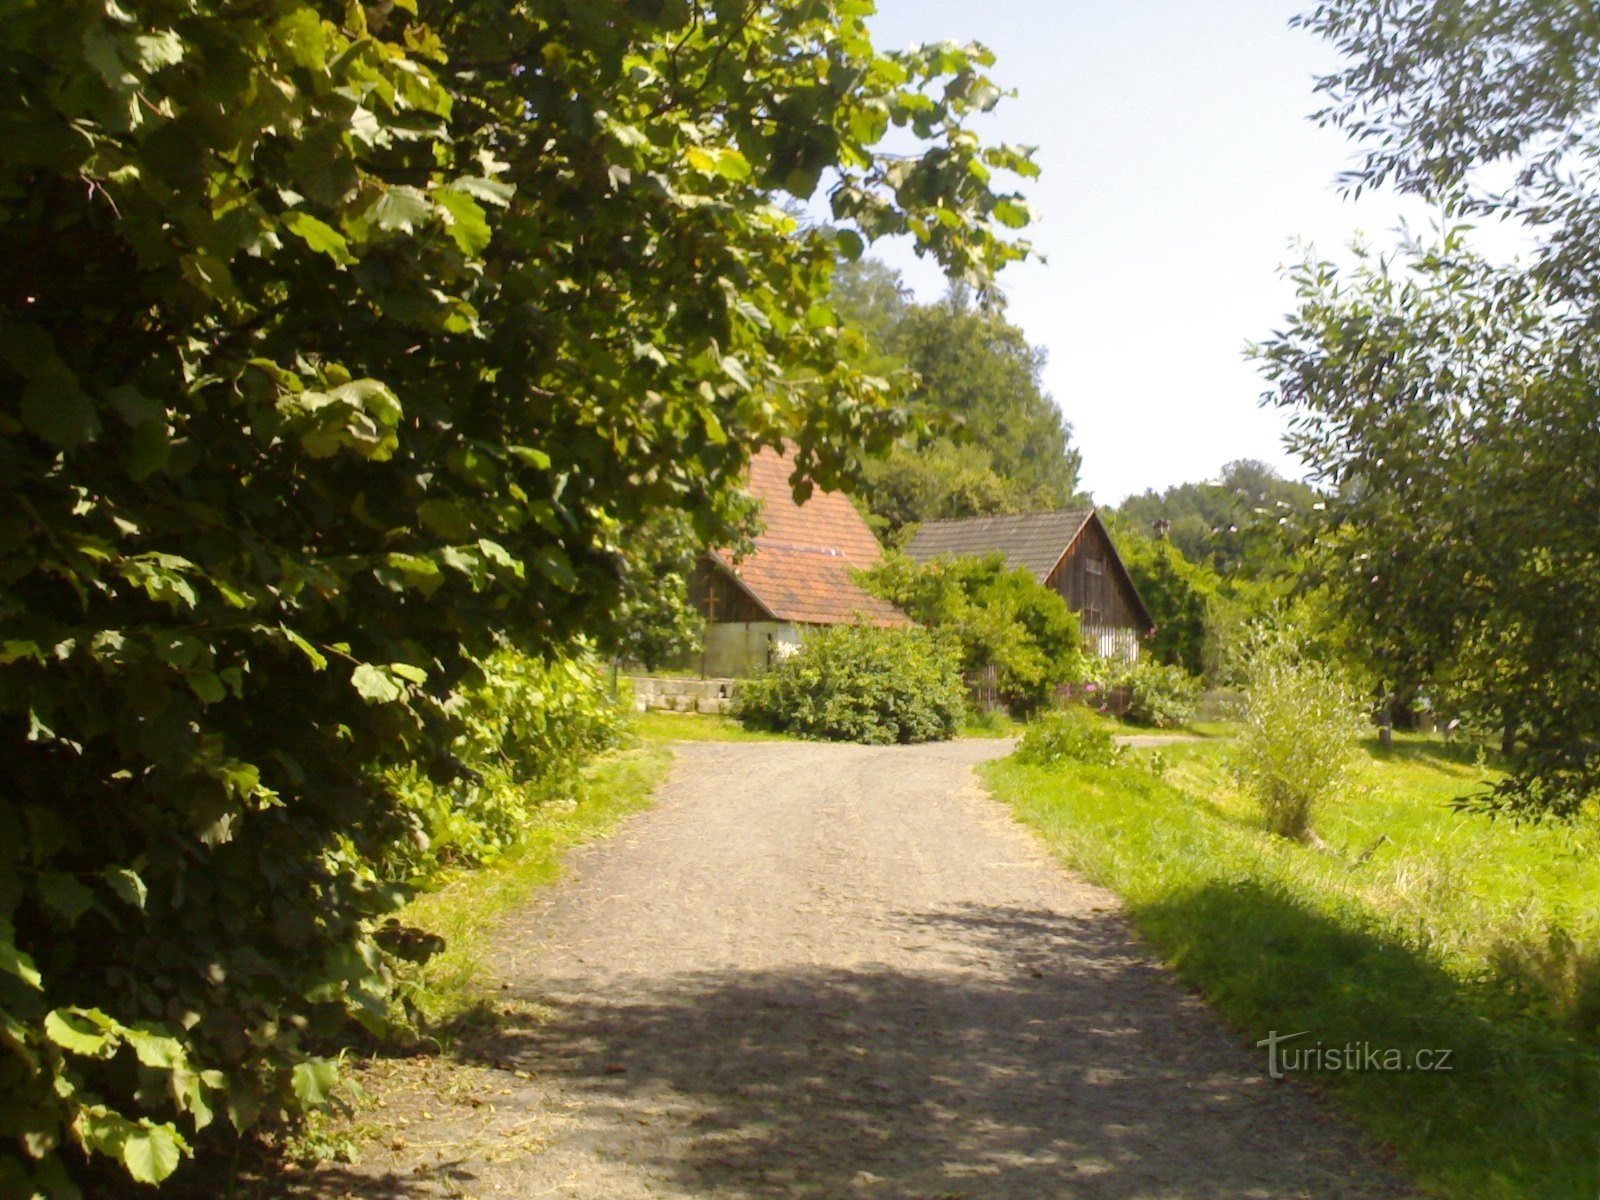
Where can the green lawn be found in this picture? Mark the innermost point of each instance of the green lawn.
(658, 726)
(1410, 931)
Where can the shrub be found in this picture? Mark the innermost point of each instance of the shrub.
(1294, 746)
(1000, 617)
(1159, 695)
(1068, 735)
(1553, 974)
(857, 683)
(528, 728)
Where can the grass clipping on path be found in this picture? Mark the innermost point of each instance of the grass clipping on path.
(465, 911)
(1395, 936)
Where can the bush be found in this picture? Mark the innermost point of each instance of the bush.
(529, 727)
(857, 683)
(1159, 695)
(1294, 746)
(1068, 735)
(1001, 618)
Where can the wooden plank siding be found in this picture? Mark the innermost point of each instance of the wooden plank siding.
(1091, 579)
(721, 599)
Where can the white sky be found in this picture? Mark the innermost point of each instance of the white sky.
(1178, 168)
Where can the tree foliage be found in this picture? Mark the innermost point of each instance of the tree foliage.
(1464, 418)
(1485, 108)
(1178, 593)
(341, 345)
(995, 442)
(1242, 524)
(1002, 618)
(1456, 413)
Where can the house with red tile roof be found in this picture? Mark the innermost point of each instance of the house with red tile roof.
(799, 575)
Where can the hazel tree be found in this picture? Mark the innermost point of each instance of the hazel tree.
(341, 344)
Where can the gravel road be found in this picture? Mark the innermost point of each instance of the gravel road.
(842, 971)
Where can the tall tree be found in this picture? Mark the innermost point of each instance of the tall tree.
(1487, 109)
(995, 441)
(1454, 400)
(338, 345)
(1241, 523)
(1457, 415)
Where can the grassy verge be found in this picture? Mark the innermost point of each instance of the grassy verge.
(699, 727)
(464, 911)
(1405, 934)
(994, 723)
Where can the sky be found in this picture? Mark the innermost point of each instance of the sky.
(1178, 170)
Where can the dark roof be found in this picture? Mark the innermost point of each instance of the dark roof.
(1036, 541)
(1032, 540)
(802, 564)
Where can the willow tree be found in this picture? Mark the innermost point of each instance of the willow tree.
(1454, 402)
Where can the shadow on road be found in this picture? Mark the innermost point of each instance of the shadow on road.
(1050, 1060)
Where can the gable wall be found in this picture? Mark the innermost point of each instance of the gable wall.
(719, 599)
(1092, 586)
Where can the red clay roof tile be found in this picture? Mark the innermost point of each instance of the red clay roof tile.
(800, 569)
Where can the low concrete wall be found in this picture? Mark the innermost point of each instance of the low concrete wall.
(682, 695)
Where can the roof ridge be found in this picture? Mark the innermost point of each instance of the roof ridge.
(1038, 512)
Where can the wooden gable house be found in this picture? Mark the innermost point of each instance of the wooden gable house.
(1069, 552)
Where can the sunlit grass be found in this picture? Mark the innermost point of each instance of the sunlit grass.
(1396, 934)
(659, 726)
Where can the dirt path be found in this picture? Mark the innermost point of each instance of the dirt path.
(840, 971)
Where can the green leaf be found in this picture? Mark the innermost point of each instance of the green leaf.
(371, 396)
(62, 893)
(556, 567)
(464, 220)
(446, 518)
(537, 459)
(319, 236)
(155, 1049)
(154, 51)
(411, 570)
(317, 658)
(408, 672)
(152, 1152)
(127, 885)
(55, 408)
(490, 191)
(79, 1032)
(399, 208)
(14, 961)
(150, 449)
(1013, 214)
(313, 1082)
(208, 686)
(374, 685)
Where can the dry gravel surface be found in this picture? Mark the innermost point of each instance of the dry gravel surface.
(844, 971)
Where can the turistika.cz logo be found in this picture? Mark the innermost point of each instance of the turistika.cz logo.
(1346, 1056)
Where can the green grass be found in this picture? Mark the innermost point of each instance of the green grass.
(1211, 729)
(1396, 935)
(658, 726)
(465, 911)
(993, 723)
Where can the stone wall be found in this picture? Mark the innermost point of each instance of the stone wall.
(682, 695)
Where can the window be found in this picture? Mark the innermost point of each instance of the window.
(1094, 590)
